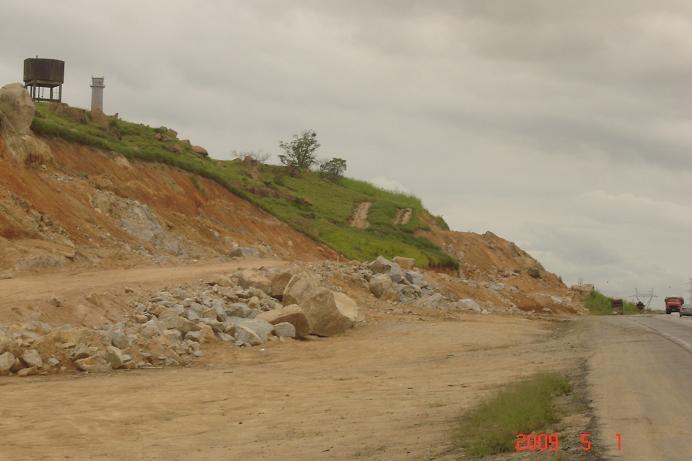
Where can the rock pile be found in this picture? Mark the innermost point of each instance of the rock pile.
(170, 328)
(388, 281)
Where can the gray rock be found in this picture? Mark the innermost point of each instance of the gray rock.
(433, 300)
(380, 265)
(469, 304)
(285, 330)
(179, 323)
(53, 362)
(382, 287)
(415, 278)
(395, 273)
(32, 358)
(120, 340)
(195, 336)
(245, 335)
(7, 360)
(151, 328)
(245, 252)
(238, 310)
(259, 327)
(115, 357)
(225, 337)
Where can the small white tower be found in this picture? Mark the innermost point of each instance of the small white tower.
(97, 87)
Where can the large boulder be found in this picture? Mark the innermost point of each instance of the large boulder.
(328, 312)
(16, 109)
(382, 265)
(259, 327)
(279, 278)
(292, 314)
(32, 358)
(251, 278)
(415, 278)
(16, 114)
(285, 330)
(469, 305)
(382, 287)
(7, 360)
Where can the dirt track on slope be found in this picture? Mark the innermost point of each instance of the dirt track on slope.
(29, 297)
(388, 390)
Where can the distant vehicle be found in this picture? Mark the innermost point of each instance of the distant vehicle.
(617, 305)
(673, 304)
(685, 309)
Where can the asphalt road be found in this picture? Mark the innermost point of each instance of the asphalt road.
(640, 377)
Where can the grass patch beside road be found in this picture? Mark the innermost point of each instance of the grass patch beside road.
(523, 407)
(599, 304)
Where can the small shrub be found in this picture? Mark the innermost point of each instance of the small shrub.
(333, 169)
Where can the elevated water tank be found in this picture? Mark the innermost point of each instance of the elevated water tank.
(41, 74)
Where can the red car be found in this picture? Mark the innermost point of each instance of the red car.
(673, 304)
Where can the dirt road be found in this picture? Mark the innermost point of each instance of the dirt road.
(29, 297)
(641, 375)
(387, 391)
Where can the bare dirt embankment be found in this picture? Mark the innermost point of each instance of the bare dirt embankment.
(89, 209)
(389, 390)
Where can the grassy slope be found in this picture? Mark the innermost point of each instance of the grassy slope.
(599, 304)
(314, 206)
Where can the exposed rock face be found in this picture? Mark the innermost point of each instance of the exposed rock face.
(328, 312)
(16, 114)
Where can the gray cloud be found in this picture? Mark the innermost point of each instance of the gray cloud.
(564, 126)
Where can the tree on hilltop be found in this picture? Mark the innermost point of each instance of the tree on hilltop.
(299, 153)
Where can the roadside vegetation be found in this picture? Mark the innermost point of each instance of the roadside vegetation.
(524, 407)
(599, 304)
(317, 203)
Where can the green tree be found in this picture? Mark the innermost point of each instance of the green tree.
(299, 153)
(333, 169)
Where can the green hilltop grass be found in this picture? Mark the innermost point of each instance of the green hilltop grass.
(316, 207)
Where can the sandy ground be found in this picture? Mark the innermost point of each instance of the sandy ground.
(640, 375)
(386, 391)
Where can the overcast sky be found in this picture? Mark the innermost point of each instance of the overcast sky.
(565, 126)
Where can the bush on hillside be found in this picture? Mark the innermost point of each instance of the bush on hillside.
(333, 169)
